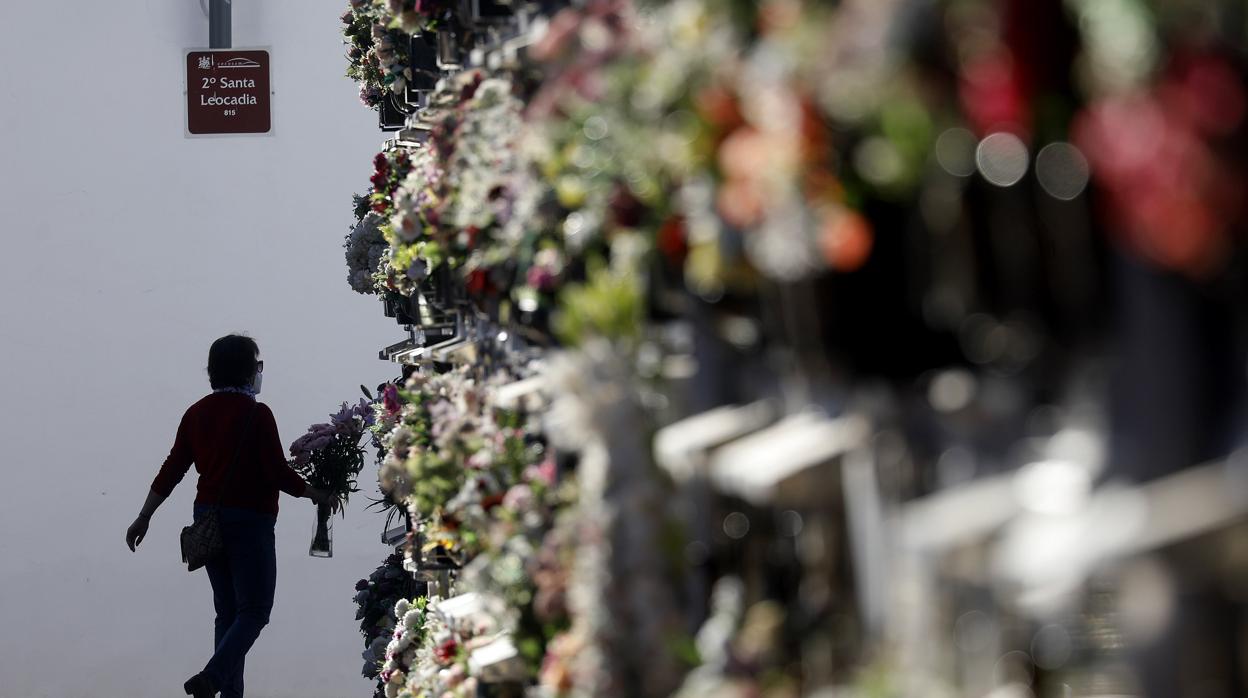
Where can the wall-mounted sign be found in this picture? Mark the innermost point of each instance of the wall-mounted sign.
(227, 92)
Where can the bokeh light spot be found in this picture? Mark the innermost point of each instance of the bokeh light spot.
(1062, 170)
(1002, 159)
(955, 152)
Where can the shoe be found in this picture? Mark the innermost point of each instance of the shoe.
(199, 686)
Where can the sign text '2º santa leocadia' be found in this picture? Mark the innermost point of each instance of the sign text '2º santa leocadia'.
(227, 91)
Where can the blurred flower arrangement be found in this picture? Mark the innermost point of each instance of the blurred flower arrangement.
(414, 16)
(706, 138)
(722, 148)
(1159, 132)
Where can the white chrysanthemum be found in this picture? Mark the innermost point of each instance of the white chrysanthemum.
(401, 608)
(412, 620)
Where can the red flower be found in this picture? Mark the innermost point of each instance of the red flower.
(390, 399)
(625, 208)
(491, 501)
(992, 96)
(478, 282)
(445, 652)
(719, 106)
(671, 240)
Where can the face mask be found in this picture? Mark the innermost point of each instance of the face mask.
(257, 381)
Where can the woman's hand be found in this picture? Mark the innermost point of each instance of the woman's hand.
(136, 532)
(323, 498)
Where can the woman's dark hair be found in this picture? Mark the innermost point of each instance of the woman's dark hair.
(232, 362)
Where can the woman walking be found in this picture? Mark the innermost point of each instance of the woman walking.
(232, 440)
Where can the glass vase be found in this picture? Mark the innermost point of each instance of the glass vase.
(323, 536)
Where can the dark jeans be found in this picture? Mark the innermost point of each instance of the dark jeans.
(243, 580)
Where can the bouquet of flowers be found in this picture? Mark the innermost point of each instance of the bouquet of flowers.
(330, 456)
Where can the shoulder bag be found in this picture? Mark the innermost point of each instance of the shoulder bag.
(202, 541)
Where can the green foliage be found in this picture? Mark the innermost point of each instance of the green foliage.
(609, 305)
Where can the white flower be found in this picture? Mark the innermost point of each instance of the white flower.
(405, 223)
(412, 620)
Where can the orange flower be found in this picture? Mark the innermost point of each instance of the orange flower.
(719, 107)
(739, 203)
(845, 238)
(744, 153)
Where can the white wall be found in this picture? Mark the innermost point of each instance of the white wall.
(127, 249)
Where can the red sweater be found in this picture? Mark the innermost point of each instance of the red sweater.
(209, 435)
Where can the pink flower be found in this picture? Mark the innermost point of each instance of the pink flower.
(518, 498)
(543, 472)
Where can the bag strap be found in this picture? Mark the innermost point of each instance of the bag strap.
(229, 469)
